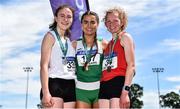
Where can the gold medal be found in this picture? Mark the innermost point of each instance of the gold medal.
(85, 67)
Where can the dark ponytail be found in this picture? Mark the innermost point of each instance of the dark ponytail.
(97, 19)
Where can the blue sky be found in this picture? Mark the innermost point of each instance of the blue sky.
(153, 24)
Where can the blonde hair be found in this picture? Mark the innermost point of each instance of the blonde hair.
(121, 14)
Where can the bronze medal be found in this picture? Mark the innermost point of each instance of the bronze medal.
(109, 69)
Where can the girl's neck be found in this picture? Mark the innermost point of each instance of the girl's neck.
(89, 40)
(61, 32)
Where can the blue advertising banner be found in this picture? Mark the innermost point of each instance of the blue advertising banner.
(80, 7)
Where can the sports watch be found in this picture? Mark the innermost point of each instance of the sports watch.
(126, 88)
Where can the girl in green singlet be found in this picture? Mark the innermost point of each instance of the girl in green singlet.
(89, 52)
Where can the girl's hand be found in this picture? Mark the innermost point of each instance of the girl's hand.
(124, 100)
(47, 100)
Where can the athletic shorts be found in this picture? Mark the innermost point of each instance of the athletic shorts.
(111, 88)
(62, 88)
(88, 96)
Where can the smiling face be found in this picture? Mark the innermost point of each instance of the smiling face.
(64, 18)
(113, 23)
(89, 25)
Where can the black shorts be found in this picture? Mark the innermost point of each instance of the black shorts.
(62, 88)
(112, 88)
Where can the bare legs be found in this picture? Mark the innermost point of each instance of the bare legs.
(59, 103)
(112, 103)
(81, 104)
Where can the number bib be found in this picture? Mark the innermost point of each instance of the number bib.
(106, 62)
(81, 58)
(69, 66)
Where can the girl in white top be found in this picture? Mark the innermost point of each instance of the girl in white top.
(57, 72)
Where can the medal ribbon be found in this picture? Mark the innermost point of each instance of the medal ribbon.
(88, 54)
(63, 48)
(111, 49)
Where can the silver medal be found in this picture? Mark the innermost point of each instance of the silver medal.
(64, 61)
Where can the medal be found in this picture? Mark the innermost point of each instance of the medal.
(109, 69)
(63, 48)
(85, 67)
(89, 54)
(111, 48)
(64, 61)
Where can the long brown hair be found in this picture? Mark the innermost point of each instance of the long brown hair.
(54, 24)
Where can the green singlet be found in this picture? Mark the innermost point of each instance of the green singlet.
(88, 79)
